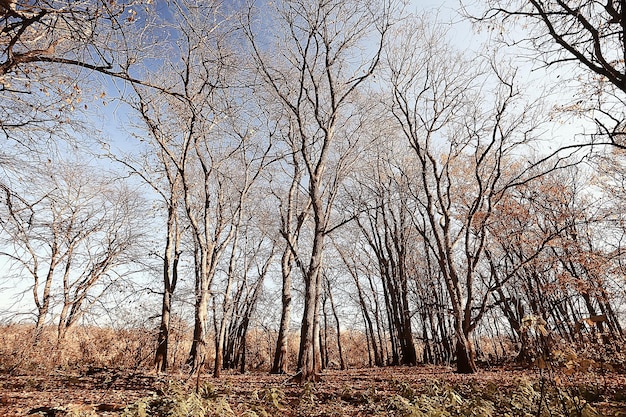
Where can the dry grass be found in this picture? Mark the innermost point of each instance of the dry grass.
(104, 372)
(84, 347)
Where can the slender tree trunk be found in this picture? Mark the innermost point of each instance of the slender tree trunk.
(219, 353)
(309, 354)
(377, 318)
(62, 326)
(613, 320)
(243, 346)
(378, 358)
(325, 357)
(409, 355)
(427, 353)
(170, 278)
(342, 362)
(65, 310)
(373, 353)
(395, 356)
(317, 347)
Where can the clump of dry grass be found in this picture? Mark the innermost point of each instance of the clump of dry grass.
(20, 353)
(84, 347)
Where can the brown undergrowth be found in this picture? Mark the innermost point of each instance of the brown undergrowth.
(104, 372)
(84, 347)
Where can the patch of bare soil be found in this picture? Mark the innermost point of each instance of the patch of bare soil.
(357, 392)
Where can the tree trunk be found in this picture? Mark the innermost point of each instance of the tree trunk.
(377, 319)
(160, 357)
(323, 338)
(280, 365)
(197, 353)
(170, 278)
(308, 364)
(62, 326)
(221, 333)
(243, 349)
(44, 306)
(342, 362)
(309, 354)
(378, 357)
(409, 355)
(465, 361)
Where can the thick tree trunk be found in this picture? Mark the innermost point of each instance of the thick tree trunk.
(43, 306)
(160, 357)
(309, 359)
(465, 361)
(280, 365)
(409, 354)
(198, 351)
(306, 355)
(308, 362)
(219, 359)
(197, 354)
(221, 333)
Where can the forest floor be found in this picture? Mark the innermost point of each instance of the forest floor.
(397, 391)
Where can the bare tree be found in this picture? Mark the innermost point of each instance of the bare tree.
(254, 258)
(294, 207)
(171, 258)
(461, 143)
(385, 225)
(250, 160)
(74, 236)
(156, 169)
(319, 71)
(217, 156)
(557, 225)
(360, 265)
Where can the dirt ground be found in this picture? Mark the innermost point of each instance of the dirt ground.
(357, 392)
